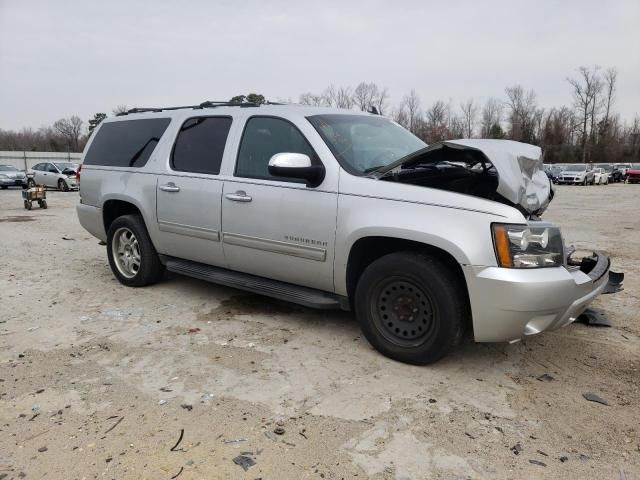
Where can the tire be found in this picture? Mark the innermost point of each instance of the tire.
(43, 204)
(31, 183)
(140, 250)
(433, 296)
(584, 182)
(4, 187)
(62, 186)
(28, 205)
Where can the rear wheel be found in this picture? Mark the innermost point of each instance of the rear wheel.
(132, 257)
(62, 185)
(411, 307)
(4, 187)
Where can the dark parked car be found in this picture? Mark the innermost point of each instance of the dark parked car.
(615, 175)
(553, 173)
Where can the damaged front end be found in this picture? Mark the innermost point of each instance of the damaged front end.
(500, 170)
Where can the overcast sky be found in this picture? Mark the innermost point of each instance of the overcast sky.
(59, 58)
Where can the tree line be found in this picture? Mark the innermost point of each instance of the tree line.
(587, 129)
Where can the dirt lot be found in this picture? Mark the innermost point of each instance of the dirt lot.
(98, 380)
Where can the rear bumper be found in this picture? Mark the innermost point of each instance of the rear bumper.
(508, 304)
(90, 218)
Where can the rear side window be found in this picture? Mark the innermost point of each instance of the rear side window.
(200, 145)
(128, 143)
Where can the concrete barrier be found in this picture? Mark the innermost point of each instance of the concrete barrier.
(26, 160)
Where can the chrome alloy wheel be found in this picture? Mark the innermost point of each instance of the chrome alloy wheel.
(126, 252)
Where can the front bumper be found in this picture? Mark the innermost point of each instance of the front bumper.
(508, 304)
(13, 182)
(570, 180)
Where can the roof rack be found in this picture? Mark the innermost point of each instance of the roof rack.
(206, 104)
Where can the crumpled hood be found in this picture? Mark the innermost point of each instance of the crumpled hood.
(521, 177)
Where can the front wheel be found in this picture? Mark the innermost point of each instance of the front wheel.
(411, 307)
(132, 257)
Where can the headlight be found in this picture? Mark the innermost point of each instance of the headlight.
(523, 246)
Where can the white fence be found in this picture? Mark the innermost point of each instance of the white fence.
(26, 160)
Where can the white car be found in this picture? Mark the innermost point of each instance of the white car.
(61, 175)
(600, 176)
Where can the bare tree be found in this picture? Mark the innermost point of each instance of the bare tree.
(381, 100)
(312, 99)
(469, 114)
(411, 103)
(585, 90)
(344, 97)
(70, 129)
(522, 110)
(365, 95)
(399, 114)
(610, 79)
(491, 117)
(437, 127)
(120, 109)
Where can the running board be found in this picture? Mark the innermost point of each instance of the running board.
(308, 297)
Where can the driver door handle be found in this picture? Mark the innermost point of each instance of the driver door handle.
(169, 187)
(239, 196)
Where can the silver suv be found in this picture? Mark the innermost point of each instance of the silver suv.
(334, 208)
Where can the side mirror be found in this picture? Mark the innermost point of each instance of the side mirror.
(296, 165)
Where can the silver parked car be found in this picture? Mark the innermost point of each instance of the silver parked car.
(331, 208)
(60, 175)
(577, 174)
(10, 176)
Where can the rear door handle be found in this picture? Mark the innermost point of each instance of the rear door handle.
(239, 196)
(169, 187)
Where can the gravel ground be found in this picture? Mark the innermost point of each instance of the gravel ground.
(98, 380)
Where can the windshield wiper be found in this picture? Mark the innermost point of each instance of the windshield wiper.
(373, 169)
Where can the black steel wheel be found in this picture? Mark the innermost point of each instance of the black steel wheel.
(403, 312)
(411, 307)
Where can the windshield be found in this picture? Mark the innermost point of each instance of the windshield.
(576, 168)
(635, 166)
(363, 143)
(8, 168)
(65, 165)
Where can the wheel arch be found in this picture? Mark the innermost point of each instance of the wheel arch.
(113, 208)
(367, 249)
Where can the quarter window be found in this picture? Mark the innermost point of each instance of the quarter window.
(200, 145)
(264, 137)
(126, 143)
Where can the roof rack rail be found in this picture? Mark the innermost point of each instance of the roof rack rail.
(214, 103)
(206, 104)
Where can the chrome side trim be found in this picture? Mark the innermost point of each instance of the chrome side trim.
(275, 246)
(200, 232)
